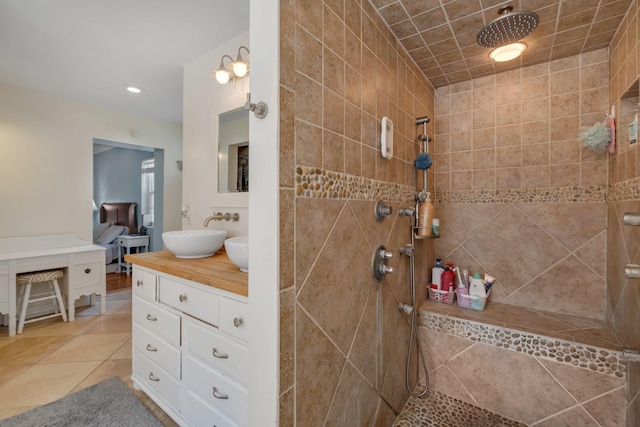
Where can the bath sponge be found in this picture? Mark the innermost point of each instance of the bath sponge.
(596, 137)
(423, 161)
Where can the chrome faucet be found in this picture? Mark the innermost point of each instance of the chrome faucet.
(220, 216)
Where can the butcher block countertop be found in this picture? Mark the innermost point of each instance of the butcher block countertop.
(217, 270)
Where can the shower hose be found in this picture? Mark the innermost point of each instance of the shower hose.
(414, 331)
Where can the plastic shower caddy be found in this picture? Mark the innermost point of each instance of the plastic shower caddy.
(441, 296)
(473, 302)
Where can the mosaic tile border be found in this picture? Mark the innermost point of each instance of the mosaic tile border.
(596, 193)
(625, 190)
(437, 409)
(317, 183)
(604, 361)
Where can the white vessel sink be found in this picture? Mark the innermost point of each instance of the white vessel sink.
(194, 243)
(238, 251)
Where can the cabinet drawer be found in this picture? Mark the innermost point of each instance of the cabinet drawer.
(189, 299)
(203, 381)
(157, 380)
(157, 350)
(206, 343)
(233, 317)
(144, 284)
(202, 415)
(157, 319)
(86, 274)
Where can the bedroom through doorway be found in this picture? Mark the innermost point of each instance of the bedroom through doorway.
(128, 199)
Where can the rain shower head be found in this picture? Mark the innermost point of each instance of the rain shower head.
(507, 28)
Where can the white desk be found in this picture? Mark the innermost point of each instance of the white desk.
(84, 264)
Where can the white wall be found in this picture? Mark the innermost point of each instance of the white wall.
(46, 161)
(204, 99)
(264, 224)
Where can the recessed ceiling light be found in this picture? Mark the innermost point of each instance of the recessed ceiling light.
(134, 89)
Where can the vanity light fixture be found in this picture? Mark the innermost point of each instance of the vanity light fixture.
(134, 89)
(508, 52)
(240, 66)
(237, 69)
(222, 74)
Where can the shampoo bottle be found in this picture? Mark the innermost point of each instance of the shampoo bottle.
(477, 286)
(426, 213)
(436, 275)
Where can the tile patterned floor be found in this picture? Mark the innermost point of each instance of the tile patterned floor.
(439, 410)
(51, 359)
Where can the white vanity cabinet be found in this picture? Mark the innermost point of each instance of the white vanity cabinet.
(189, 349)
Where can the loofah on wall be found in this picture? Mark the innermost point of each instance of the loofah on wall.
(596, 137)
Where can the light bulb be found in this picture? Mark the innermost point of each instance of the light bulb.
(240, 68)
(222, 76)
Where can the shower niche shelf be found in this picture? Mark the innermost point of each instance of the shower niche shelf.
(418, 237)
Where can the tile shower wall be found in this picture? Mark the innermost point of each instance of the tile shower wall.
(523, 386)
(517, 196)
(623, 297)
(343, 343)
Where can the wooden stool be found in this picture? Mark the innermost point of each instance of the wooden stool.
(26, 280)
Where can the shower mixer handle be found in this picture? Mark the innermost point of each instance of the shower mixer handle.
(385, 269)
(379, 265)
(384, 254)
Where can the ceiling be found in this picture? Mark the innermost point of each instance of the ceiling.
(440, 35)
(90, 50)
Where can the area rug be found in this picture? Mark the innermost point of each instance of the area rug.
(108, 403)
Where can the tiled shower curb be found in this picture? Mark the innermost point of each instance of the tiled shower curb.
(595, 359)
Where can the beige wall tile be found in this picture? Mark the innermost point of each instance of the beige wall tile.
(515, 386)
(308, 54)
(508, 178)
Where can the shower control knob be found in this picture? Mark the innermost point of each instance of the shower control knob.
(631, 219)
(385, 269)
(379, 265)
(632, 271)
(385, 254)
(381, 210)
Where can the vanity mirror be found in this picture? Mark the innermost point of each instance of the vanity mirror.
(233, 151)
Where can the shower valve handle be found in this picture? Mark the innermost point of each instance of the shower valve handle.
(379, 265)
(385, 269)
(384, 254)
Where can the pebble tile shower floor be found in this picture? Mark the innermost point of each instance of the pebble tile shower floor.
(439, 410)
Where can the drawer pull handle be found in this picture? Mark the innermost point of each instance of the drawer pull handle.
(87, 270)
(151, 318)
(153, 377)
(139, 283)
(237, 322)
(150, 348)
(219, 395)
(219, 355)
(182, 298)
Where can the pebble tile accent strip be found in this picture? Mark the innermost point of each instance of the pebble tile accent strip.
(438, 410)
(319, 183)
(593, 358)
(625, 190)
(548, 194)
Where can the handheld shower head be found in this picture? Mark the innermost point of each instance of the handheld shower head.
(422, 120)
